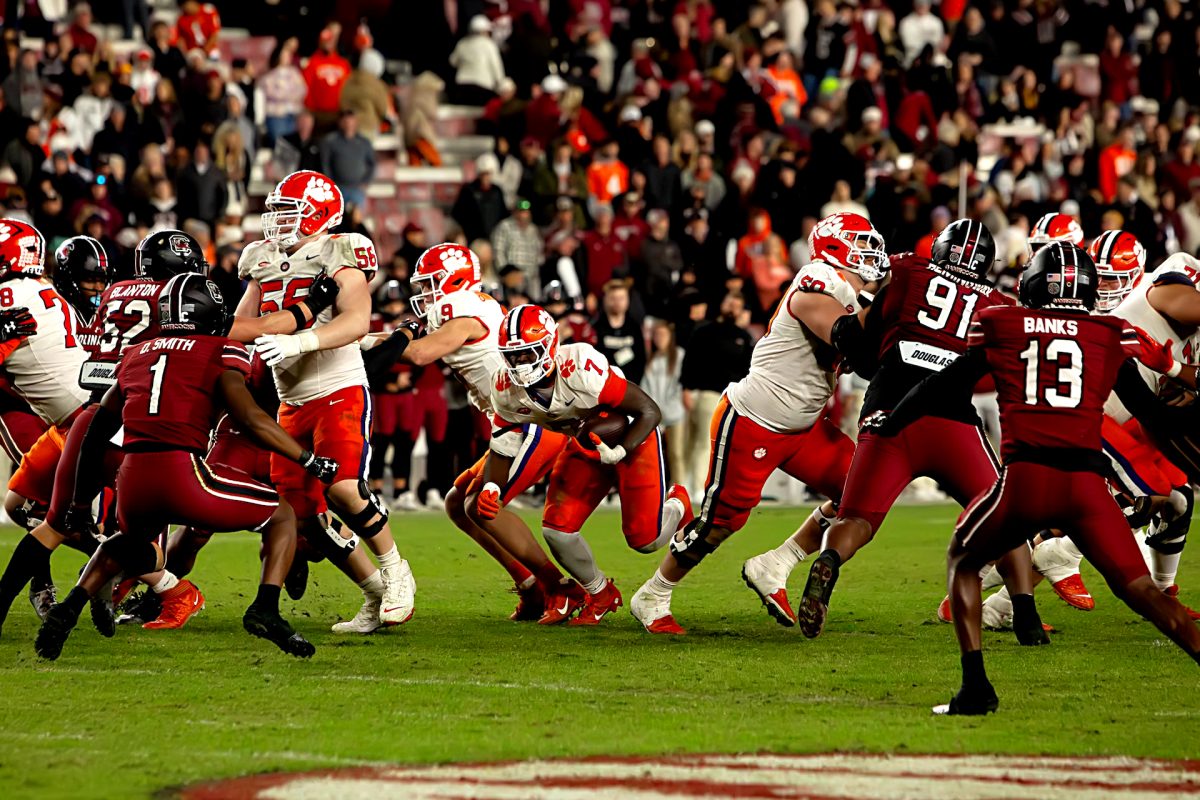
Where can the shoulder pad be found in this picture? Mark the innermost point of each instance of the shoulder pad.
(349, 250)
(248, 260)
(459, 304)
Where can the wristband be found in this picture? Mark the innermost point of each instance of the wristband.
(865, 298)
(308, 341)
(1174, 370)
(297, 315)
(305, 458)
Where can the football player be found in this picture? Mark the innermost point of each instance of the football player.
(1053, 227)
(319, 373)
(556, 387)
(917, 326)
(462, 329)
(775, 418)
(167, 396)
(1054, 365)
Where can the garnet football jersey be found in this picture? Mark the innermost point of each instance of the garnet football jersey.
(477, 362)
(170, 386)
(284, 279)
(127, 314)
(44, 368)
(791, 371)
(1053, 372)
(583, 381)
(924, 315)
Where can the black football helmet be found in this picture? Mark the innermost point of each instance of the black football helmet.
(77, 261)
(967, 248)
(1059, 276)
(163, 255)
(192, 305)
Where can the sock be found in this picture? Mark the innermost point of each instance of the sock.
(372, 586)
(660, 586)
(389, 559)
(268, 597)
(672, 514)
(1024, 611)
(594, 586)
(29, 557)
(521, 576)
(790, 553)
(166, 584)
(397, 491)
(573, 552)
(974, 675)
(76, 599)
(549, 577)
(1163, 568)
(833, 556)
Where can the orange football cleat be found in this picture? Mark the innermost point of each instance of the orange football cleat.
(560, 606)
(943, 612)
(678, 492)
(1173, 591)
(179, 605)
(597, 605)
(666, 625)
(1074, 593)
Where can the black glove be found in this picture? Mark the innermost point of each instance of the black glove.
(78, 520)
(413, 327)
(321, 294)
(16, 323)
(322, 468)
(879, 424)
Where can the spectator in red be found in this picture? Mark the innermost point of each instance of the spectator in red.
(197, 26)
(606, 253)
(1179, 172)
(762, 258)
(325, 73)
(80, 31)
(940, 218)
(1118, 70)
(629, 225)
(543, 117)
(1116, 160)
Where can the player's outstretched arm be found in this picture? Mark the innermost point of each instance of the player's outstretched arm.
(444, 341)
(263, 429)
(105, 424)
(247, 326)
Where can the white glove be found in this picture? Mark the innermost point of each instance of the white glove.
(608, 455)
(275, 347)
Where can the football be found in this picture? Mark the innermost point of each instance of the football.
(608, 425)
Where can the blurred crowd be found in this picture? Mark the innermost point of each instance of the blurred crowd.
(657, 164)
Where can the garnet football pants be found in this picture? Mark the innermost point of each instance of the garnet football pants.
(1028, 498)
(953, 453)
(238, 451)
(18, 431)
(579, 482)
(744, 454)
(178, 487)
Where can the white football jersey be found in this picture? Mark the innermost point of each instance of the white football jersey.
(44, 368)
(284, 279)
(583, 380)
(1136, 310)
(788, 386)
(477, 362)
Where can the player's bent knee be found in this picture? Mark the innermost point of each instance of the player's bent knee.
(369, 520)
(136, 556)
(695, 542)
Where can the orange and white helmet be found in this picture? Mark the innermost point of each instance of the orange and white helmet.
(442, 269)
(305, 203)
(22, 248)
(849, 241)
(1120, 264)
(529, 343)
(1054, 227)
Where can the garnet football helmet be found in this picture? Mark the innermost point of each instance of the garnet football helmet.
(192, 305)
(1060, 276)
(1054, 228)
(1120, 263)
(163, 255)
(440, 270)
(22, 248)
(305, 203)
(849, 241)
(79, 260)
(967, 248)
(529, 343)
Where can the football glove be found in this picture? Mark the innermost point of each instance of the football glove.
(608, 455)
(16, 323)
(322, 468)
(412, 326)
(79, 520)
(274, 348)
(1157, 356)
(488, 502)
(321, 294)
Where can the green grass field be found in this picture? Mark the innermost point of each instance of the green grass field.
(145, 711)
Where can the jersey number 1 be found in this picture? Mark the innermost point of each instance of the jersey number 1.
(158, 369)
(1066, 356)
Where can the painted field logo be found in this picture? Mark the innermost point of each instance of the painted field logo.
(748, 776)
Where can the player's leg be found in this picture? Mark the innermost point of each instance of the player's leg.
(262, 618)
(879, 472)
(650, 513)
(435, 417)
(578, 483)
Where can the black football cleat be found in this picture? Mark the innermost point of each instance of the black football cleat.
(267, 624)
(295, 583)
(973, 703)
(1032, 633)
(814, 603)
(41, 597)
(140, 609)
(57, 626)
(104, 616)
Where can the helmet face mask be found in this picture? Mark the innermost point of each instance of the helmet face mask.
(440, 270)
(529, 344)
(281, 220)
(1120, 264)
(22, 248)
(303, 204)
(425, 293)
(849, 242)
(528, 364)
(81, 273)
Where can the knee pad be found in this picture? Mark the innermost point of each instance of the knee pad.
(1168, 536)
(29, 514)
(329, 542)
(360, 521)
(136, 556)
(823, 522)
(694, 543)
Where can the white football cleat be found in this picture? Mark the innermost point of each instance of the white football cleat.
(408, 502)
(365, 621)
(434, 499)
(767, 576)
(399, 594)
(654, 612)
